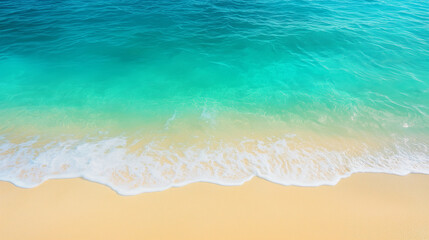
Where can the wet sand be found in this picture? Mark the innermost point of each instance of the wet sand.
(363, 206)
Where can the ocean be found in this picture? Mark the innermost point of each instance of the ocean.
(144, 95)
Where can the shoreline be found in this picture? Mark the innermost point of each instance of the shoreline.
(131, 167)
(203, 181)
(362, 206)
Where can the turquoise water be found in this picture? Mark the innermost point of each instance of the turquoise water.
(162, 93)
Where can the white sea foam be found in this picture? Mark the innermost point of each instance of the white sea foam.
(154, 167)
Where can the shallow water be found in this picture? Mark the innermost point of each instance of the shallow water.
(144, 95)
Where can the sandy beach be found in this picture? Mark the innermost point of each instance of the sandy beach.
(363, 206)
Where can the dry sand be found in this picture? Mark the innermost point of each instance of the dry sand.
(364, 206)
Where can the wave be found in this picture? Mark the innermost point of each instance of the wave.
(131, 168)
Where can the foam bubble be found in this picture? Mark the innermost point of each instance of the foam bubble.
(155, 166)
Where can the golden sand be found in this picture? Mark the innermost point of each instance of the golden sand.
(364, 206)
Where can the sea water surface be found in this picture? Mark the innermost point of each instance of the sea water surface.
(142, 95)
